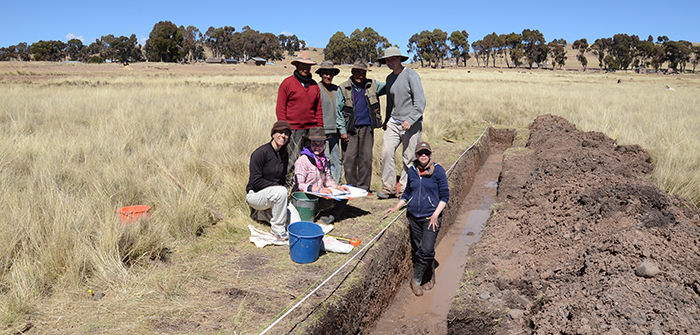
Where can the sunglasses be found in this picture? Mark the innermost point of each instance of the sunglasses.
(421, 153)
(318, 144)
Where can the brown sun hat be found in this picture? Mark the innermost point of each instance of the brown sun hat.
(360, 65)
(392, 52)
(423, 146)
(280, 126)
(303, 58)
(327, 65)
(316, 134)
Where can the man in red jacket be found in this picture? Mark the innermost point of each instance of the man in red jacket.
(299, 103)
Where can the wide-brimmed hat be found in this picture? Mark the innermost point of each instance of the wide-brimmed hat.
(327, 65)
(280, 126)
(303, 58)
(360, 65)
(423, 146)
(392, 52)
(316, 134)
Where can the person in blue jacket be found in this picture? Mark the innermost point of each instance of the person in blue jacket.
(426, 195)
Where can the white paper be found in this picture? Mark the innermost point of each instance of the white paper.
(341, 195)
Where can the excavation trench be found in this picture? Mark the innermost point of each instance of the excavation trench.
(381, 302)
(427, 313)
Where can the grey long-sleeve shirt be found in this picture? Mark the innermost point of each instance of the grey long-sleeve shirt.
(405, 100)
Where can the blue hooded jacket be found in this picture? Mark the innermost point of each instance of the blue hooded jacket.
(425, 193)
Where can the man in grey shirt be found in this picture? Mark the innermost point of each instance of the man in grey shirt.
(405, 103)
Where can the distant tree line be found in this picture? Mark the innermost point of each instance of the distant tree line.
(106, 48)
(621, 52)
(364, 44)
(166, 43)
(116, 49)
(170, 43)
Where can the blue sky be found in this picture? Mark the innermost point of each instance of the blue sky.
(316, 22)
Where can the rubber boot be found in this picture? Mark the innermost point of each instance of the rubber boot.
(429, 276)
(418, 269)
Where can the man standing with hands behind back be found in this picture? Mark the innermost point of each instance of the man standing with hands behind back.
(405, 104)
(358, 98)
(333, 121)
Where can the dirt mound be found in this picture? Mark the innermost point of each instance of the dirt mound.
(581, 243)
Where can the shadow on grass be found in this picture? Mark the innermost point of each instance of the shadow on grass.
(351, 212)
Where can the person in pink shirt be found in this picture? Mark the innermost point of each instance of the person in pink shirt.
(312, 174)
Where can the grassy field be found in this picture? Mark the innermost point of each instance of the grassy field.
(80, 141)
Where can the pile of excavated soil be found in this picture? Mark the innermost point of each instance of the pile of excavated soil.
(581, 242)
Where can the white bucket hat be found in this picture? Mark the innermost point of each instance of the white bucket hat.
(392, 52)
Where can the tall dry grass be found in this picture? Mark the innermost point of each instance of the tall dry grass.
(77, 147)
(660, 113)
(75, 150)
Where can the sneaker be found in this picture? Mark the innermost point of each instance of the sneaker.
(327, 219)
(282, 237)
(382, 195)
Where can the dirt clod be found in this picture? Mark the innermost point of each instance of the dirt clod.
(584, 242)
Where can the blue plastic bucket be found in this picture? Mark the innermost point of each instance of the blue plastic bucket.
(305, 240)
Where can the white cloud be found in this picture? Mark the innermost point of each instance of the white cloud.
(143, 40)
(72, 36)
(287, 33)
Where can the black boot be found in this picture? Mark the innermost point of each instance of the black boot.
(418, 269)
(429, 276)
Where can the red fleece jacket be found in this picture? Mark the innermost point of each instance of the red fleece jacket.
(299, 105)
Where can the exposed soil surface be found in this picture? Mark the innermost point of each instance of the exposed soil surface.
(408, 314)
(383, 270)
(581, 242)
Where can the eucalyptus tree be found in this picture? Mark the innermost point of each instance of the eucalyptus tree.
(460, 45)
(534, 47)
(77, 51)
(47, 50)
(582, 47)
(337, 49)
(192, 45)
(557, 52)
(164, 43)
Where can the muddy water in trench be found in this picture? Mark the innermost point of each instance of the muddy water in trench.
(427, 314)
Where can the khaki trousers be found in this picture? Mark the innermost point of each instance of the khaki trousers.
(394, 136)
(271, 205)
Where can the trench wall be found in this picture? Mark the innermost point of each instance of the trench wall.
(385, 266)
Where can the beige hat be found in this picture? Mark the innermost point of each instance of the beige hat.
(327, 65)
(392, 52)
(303, 58)
(361, 65)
